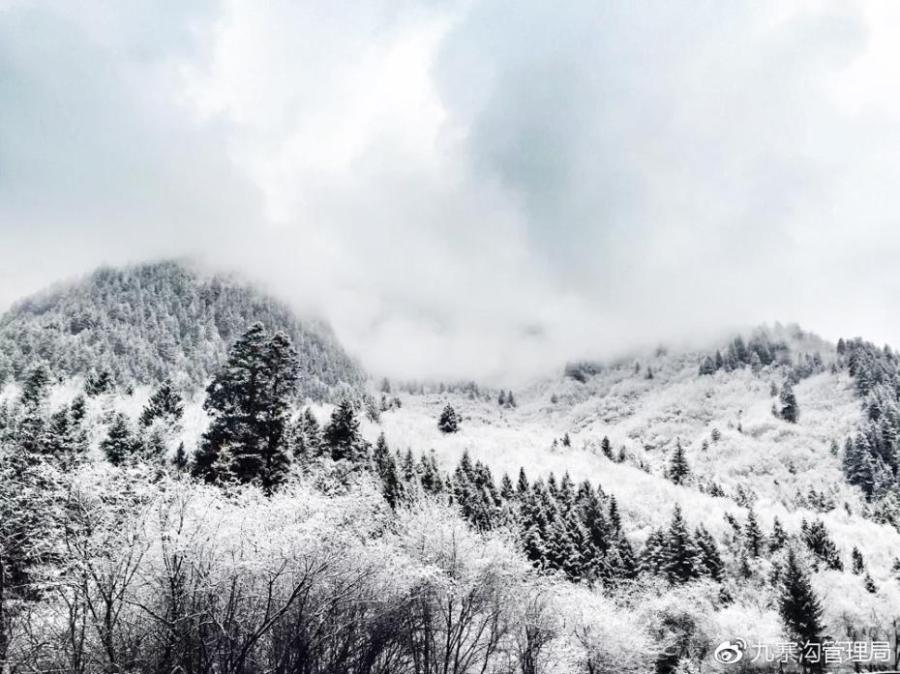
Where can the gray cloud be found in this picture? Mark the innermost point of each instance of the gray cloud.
(477, 188)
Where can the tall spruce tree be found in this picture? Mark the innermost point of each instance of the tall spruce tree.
(681, 555)
(679, 470)
(342, 435)
(753, 535)
(800, 609)
(448, 421)
(120, 444)
(248, 401)
(710, 560)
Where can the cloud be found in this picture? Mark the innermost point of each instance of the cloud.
(475, 188)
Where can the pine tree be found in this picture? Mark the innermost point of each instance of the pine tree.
(681, 556)
(800, 608)
(606, 448)
(180, 460)
(753, 535)
(98, 383)
(869, 584)
(522, 487)
(627, 565)
(710, 560)
(165, 404)
(307, 435)
(678, 467)
(391, 484)
(707, 366)
(342, 435)
(789, 410)
(818, 541)
(120, 443)
(31, 433)
(501, 399)
(859, 564)
(615, 519)
(507, 490)
(598, 528)
(653, 555)
(566, 440)
(449, 421)
(248, 401)
(779, 537)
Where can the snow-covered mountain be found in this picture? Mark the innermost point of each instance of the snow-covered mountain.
(772, 441)
(164, 320)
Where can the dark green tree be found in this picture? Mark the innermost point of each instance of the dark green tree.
(120, 444)
(341, 434)
(679, 470)
(859, 564)
(710, 560)
(449, 421)
(681, 555)
(248, 401)
(165, 404)
(753, 535)
(789, 410)
(800, 609)
(606, 448)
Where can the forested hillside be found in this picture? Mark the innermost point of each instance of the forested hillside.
(152, 322)
(622, 516)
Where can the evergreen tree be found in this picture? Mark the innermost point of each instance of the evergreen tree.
(615, 519)
(653, 555)
(626, 564)
(430, 475)
(391, 483)
(789, 410)
(120, 443)
(707, 366)
(449, 421)
(501, 399)
(180, 460)
(165, 404)
(681, 555)
(678, 466)
(248, 401)
(307, 435)
(818, 541)
(710, 560)
(522, 487)
(869, 584)
(98, 383)
(31, 433)
(507, 490)
(753, 535)
(800, 608)
(606, 448)
(342, 435)
(779, 537)
(859, 564)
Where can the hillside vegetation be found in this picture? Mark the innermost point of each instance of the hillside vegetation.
(628, 516)
(148, 323)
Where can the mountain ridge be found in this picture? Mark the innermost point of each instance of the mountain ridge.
(148, 322)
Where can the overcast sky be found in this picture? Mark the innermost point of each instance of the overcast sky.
(468, 188)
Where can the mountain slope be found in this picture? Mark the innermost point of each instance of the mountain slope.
(741, 455)
(153, 321)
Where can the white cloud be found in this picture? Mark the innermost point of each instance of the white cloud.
(468, 187)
